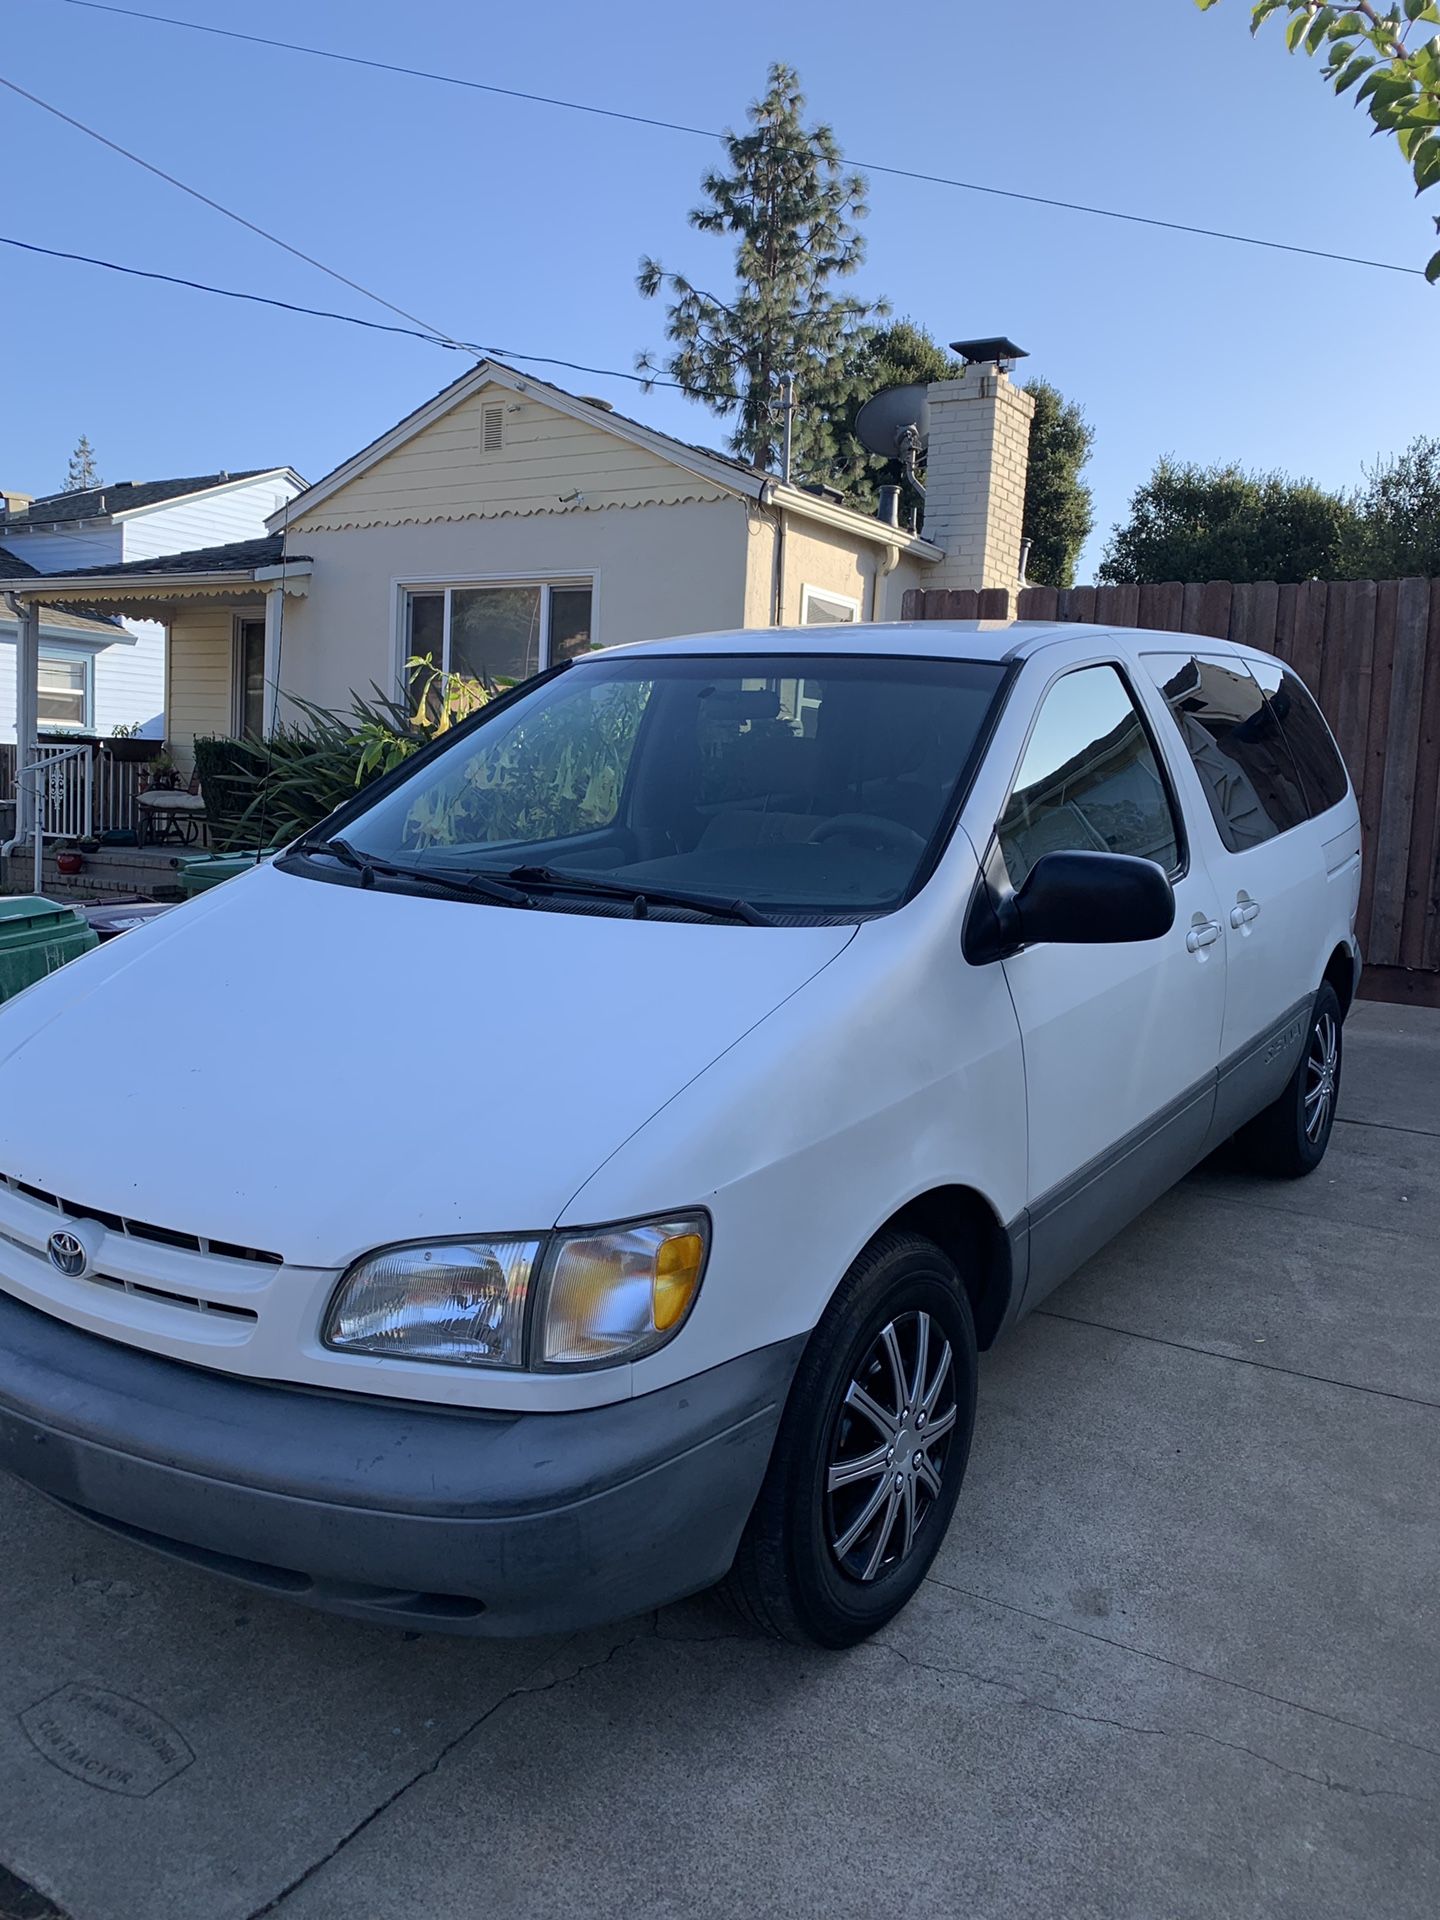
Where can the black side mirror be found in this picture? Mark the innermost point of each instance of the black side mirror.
(1091, 899)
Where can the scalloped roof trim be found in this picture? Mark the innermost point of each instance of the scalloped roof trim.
(358, 520)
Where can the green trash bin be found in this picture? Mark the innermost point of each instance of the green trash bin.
(200, 871)
(36, 937)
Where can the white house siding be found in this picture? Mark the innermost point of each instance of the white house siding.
(237, 511)
(202, 643)
(443, 471)
(657, 570)
(130, 682)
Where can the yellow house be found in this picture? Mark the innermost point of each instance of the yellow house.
(507, 524)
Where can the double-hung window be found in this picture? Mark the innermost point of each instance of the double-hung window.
(66, 690)
(497, 632)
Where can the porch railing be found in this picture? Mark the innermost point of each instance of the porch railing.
(113, 785)
(64, 786)
(61, 781)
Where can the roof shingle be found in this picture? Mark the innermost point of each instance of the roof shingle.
(239, 556)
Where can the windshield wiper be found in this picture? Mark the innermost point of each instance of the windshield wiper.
(367, 866)
(343, 851)
(639, 895)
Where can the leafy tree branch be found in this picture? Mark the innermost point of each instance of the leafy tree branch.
(1396, 77)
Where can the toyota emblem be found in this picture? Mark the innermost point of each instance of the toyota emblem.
(67, 1254)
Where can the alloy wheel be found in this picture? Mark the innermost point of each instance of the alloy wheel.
(1322, 1076)
(889, 1446)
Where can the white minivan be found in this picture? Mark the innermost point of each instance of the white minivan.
(585, 1168)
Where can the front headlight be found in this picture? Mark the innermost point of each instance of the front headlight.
(601, 1296)
(462, 1301)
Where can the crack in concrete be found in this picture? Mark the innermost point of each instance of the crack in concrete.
(1236, 1359)
(1180, 1666)
(1388, 1126)
(519, 1691)
(1023, 1699)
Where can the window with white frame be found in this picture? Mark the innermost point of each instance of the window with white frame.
(66, 690)
(248, 679)
(821, 609)
(497, 631)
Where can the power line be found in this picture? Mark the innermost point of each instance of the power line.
(348, 319)
(195, 194)
(710, 133)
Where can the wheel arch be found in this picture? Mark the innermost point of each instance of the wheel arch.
(1342, 973)
(964, 1225)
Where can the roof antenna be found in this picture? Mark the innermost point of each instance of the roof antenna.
(787, 447)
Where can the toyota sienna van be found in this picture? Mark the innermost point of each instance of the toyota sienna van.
(584, 1169)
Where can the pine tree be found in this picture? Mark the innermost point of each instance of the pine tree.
(792, 209)
(82, 473)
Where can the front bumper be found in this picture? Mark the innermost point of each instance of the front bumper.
(472, 1522)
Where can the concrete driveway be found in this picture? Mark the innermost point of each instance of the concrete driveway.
(1180, 1655)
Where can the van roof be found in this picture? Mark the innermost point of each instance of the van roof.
(1001, 640)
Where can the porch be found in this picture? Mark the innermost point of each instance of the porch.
(108, 874)
(221, 608)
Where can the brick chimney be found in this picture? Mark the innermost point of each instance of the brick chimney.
(978, 458)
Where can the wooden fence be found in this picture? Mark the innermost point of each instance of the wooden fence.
(1370, 652)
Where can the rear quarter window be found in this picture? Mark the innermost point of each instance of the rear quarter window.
(1317, 758)
(1235, 742)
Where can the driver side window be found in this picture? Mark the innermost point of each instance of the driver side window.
(1090, 780)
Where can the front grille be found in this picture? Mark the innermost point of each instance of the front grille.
(167, 1297)
(141, 1229)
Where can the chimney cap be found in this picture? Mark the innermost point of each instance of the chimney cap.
(976, 352)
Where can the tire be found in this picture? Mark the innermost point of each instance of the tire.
(809, 1568)
(1288, 1140)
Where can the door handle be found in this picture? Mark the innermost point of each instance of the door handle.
(1205, 935)
(1245, 911)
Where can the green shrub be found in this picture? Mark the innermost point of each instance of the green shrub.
(228, 770)
(306, 770)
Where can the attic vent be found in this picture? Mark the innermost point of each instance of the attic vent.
(492, 429)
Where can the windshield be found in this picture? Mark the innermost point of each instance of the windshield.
(805, 784)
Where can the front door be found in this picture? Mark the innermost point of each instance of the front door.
(1121, 1040)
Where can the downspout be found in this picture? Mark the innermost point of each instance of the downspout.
(12, 606)
(884, 567)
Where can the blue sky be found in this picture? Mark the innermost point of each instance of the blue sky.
(520, 226)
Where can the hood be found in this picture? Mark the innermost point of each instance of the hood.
(318, 1069)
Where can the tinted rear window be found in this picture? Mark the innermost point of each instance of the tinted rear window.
(1317, 759)
(1235, 741)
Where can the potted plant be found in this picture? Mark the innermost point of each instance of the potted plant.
(128, 744)
(164, 774)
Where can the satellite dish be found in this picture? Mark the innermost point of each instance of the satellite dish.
(895, 421)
